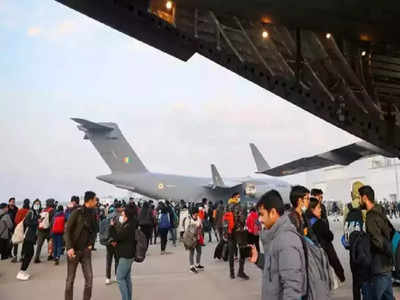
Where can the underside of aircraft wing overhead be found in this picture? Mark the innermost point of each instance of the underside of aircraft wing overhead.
(341, 156)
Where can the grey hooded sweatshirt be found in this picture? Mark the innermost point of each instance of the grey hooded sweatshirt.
(283, 263)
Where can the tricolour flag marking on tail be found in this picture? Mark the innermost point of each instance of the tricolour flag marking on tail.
(127, 160)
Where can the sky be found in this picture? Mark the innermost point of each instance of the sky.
(179, 117)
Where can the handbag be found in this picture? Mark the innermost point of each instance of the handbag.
(19, 234)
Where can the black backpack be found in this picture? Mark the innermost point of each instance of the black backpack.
(354, 222)
(141, 246)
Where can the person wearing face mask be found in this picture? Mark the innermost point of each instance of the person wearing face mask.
(124, 235)
(234, 224)
(194, 220)
(31, 223)
(300, 200)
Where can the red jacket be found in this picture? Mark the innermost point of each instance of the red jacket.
(22, 212)
(251, 223)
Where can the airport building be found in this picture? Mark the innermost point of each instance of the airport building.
(379, 172)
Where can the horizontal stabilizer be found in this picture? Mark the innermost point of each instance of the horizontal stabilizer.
(261, 164)
(91, 126)
(341, 156)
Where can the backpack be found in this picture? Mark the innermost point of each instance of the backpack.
(104, 231)
(229, 220)
(141, 246)
(190, 237)
(3, 226)
(165, 222)
(59, 223)
(175, 219)
(45, 223)
(354, 222)
(19, 233)
(319, 280)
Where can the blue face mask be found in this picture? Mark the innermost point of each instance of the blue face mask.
(36, 207)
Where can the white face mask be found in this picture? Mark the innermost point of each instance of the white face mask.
(121, 219)
(238, 200)
(36, 207)
(304, 209)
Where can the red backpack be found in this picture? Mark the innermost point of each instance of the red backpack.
(230, 219)
(59, 224)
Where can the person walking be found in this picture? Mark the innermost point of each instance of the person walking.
(45, 224)
(80, 236)
(194, 223)
(124, 235)
(21, 214)
(380, 232)
(107, 240)
(146, 221)
(12, 211)
(31, 223)
(283, 261)
(254, 228)
(57, 232)
(325, 237)
(235, 223)
(6, 227)
(164, 225)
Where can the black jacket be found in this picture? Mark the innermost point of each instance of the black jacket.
(380, 232)
(31, 223)
(124, 235)
(325, 239)
(81, 229)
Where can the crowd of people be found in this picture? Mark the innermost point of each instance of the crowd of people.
(297, 242)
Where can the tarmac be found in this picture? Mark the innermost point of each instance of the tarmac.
(159, 277)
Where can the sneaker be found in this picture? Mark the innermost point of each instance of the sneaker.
(243, 276)
(232, 276)
(108, 281)
(163, 253)
(200, 267)
(193, 270)
(56, 262)
(14, 260)
(50, 257)
(23, 276)
(37, 261)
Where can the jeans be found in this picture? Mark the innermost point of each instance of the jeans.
(124, 277)
(173, 235)
(58, 243)
(366, 291)
(198, 256)
(111, 252)
(28, 251)
(164, 238)
(84, 258)
(381, 287)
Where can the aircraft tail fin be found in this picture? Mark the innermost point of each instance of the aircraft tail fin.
(216, 177)
(112, 146)
(261, 164)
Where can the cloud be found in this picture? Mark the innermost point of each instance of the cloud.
(34, 31)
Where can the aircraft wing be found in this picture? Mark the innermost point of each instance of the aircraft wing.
(341, 156)
(219, 183)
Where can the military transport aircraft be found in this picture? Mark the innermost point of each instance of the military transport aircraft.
(128, 172)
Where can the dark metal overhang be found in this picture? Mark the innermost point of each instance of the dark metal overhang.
(345, 70)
